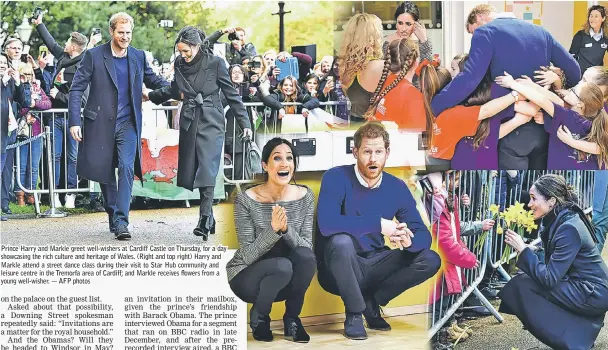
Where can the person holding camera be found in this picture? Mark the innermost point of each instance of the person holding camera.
(30, 126)
(236, 50)
(68, 58)
(12, 92)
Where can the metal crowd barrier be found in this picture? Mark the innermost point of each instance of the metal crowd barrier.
(478, 185)
(484, 189)
(44, 182)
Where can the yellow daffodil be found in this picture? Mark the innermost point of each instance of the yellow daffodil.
(499, 230)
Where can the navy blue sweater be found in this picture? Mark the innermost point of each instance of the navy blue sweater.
(345, 206)
(510, 45)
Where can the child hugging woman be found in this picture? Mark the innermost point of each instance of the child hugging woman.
(585, 121)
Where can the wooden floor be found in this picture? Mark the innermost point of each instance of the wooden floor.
(408, 332)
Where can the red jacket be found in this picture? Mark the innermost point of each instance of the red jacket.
(454, 252)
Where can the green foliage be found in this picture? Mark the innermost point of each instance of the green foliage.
(308, 22)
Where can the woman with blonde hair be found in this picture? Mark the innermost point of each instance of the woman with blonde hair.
(360, 62)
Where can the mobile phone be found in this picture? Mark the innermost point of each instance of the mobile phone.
(43, 51)
(96, 31)
(24, 58)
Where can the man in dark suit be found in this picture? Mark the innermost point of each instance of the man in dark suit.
(115, 73)
(502, 43)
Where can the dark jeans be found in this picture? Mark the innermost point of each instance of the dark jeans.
(600, 207)
(382, 276)
(118, 198)
(29, 162)
(276, 279)
(8, 170)
(61, 131)
(525, 148)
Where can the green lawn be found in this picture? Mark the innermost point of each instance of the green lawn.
(29, 209)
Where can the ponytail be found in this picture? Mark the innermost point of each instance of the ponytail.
(599, 135)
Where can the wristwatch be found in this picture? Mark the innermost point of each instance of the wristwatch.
(515, 94)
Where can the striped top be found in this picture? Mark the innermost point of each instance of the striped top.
(255, 234)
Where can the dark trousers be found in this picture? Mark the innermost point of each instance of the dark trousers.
(276, 279)
(525, 148)
(551, 321)
(118, 198)
(8, 170)
(382, 276)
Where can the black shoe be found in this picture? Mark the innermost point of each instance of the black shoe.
(353, 326)
(373, 318)
(294, 329)
(260, 325)
(489, 293)
(4, 218)
(122, 232)
(204, 227)
(95, 206)
(7, 211)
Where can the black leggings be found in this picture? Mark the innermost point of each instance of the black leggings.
(276, 279)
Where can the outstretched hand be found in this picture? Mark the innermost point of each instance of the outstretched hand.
(505, 81)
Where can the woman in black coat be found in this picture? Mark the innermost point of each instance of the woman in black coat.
(199, 78)
(562, 300)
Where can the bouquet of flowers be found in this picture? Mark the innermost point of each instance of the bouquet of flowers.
(494, 211)
(519, 220)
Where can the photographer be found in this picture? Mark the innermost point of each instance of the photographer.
(236, 50)
(68, 60)
(13, 93)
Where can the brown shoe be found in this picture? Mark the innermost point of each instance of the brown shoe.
(29, 198)
(20, 198)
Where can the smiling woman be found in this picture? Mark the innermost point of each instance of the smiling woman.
(274, 261)
(570, 287)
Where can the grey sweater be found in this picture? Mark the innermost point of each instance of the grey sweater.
(255, 234)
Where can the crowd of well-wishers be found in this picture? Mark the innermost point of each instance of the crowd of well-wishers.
(508, 105)
(44, 83)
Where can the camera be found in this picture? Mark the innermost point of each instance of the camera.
(96, 31)
(253, 64)
(24, 58)
(37, 12)
(232, 37)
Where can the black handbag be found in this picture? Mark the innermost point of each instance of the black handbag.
(252, 158)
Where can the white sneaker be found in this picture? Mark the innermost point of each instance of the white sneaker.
(69, 201)
(57, 201)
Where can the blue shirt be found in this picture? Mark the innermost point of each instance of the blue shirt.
(345, 206)
(124, 110)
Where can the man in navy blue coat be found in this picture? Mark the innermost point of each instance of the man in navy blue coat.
(111, 136)
(502, 43)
